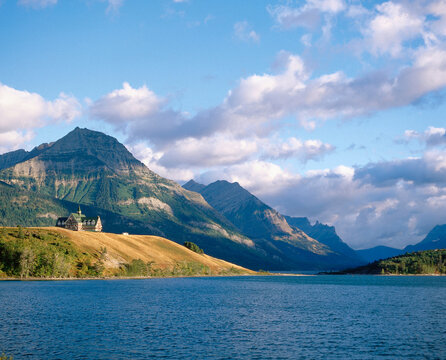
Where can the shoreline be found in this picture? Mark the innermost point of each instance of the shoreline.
(150, 277)
(201, 276)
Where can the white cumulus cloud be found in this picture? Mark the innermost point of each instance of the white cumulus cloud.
(432, 136)
(13, 140)
(22, 111)
(126, 104)
(391, 27)
(259, 103)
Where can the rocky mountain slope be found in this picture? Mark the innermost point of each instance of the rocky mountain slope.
(271, 231)
(90, 168)
(326, 235)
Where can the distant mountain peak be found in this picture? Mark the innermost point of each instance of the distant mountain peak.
(192, 185)
(435, 239)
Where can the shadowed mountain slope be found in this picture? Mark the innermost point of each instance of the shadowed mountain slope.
(269, 229)
(435, 239)
(90, 168)
(326, 235)
(378, 253)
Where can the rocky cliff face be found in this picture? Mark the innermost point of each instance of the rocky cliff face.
(271, 231)
(326, 235)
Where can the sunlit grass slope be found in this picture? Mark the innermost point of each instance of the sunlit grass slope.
(89, 254)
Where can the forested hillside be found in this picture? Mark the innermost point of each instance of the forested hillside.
(418, 263)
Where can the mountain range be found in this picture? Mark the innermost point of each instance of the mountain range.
(274, 233)
(435, 239)
(96, 171)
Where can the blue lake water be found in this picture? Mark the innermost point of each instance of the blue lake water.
(314, 317)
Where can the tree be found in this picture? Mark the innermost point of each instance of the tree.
(27, 262)
(21, 235)
(194, 247)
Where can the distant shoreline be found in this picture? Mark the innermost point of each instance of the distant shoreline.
(150, 277)
(205, 276)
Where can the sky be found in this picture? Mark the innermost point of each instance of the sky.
(329, 109)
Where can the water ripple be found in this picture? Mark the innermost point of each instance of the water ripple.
(322, 317)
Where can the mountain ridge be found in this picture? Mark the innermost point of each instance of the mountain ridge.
(268, 228)
(435, 239)
(325, 234)
(90, 168)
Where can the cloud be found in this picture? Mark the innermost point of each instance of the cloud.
(295, 148)
(430, 169)
(393, 25)
(243, 31)
(13, 140)
(357, 11)
(433, 136)
(25, 110)
(126, 104)
(258, 176)
(21, 111)
(37, 4)
(259, 103)
(114, 6)
(209, 151)
(438, 10)
(306, 40)
(263, 98)
(307, 16)
(151, 159)
(220, 150)
(384, 203)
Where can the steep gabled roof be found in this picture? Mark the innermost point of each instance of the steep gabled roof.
(82, 217)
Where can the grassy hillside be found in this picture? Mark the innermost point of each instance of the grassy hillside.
(56, 252)
(96, 171)
(418, 263)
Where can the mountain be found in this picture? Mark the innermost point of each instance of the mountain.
(191, 185)
(27, 208)
(326, 235)
(435, 239)
(378, 253)
(93, 169)
(269, 230)
(14, 157)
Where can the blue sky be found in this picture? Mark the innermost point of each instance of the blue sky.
(331, 109)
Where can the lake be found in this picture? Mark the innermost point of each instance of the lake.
(311, 317)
